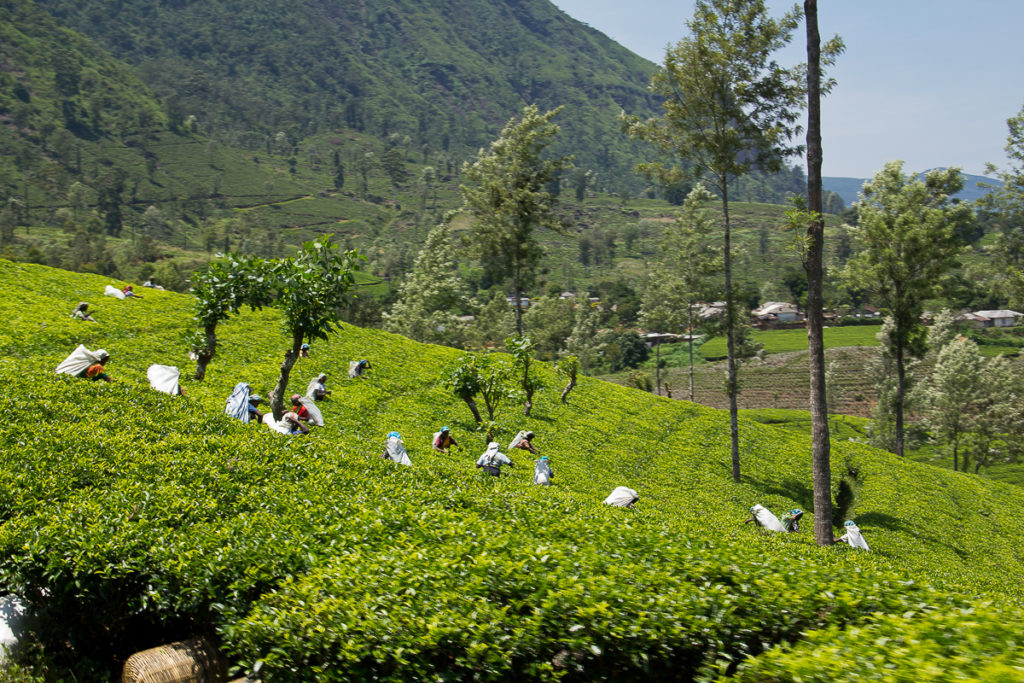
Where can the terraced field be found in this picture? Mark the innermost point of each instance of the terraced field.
(779, 380)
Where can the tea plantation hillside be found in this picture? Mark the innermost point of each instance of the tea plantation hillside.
(129, 518)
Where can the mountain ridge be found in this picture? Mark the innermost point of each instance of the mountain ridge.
(848, 188)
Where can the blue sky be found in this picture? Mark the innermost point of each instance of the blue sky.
(930, 82)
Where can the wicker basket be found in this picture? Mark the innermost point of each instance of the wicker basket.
(189, 661)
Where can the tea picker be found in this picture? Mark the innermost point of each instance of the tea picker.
(764, 519)
(492, 460)
(853, 536)
(356, 368)
(313, 414)
(306, 411)
(394, 450)
(85, 364)
(542, 473)
(622, 497)
(317, 388)
(289, 424)
(443, 441)
(524, 440)
(81, 312)
(241, 404)
(791, 520)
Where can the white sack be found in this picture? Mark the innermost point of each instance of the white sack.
(766, 519)
(315, 385)
(855, 538)
(12, 616)
(621, 497)
(396, 451)
(164, 378)
(542, 473)
(238, 402)
(281, 427)
(80, 359)
(316, 418)
(113, 291)
(519, 438)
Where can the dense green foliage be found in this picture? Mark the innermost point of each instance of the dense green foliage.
(447, 75)
(137, 517)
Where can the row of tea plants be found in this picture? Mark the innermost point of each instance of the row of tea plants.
(130, 518)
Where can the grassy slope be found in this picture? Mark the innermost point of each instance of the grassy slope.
(147, 517)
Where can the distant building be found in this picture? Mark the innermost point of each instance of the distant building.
(710, 310)
(998, 318)
(771, 313)
(524, 301)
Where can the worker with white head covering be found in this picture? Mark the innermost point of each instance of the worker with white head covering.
(492, 460)
(853, 536)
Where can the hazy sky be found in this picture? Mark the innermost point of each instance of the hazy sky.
(930, 82)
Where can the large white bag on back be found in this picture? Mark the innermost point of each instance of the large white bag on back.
(542, 472)
(281, 427)
(164, 378)
(237, 405)
(766, 519)
(316, 418)
(396, 451)
(80, 359)
(113, 291)
(621, 497)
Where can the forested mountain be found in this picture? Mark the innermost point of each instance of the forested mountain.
(79, 129)
(446, 74)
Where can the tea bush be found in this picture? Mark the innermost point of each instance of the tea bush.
(130, 518)
(978, 643)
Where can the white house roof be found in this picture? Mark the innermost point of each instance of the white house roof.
(1001, 313)
(774, 308)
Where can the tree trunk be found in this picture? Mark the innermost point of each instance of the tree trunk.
(519, 308)
(205, 355)
(657, 369)
(900, 378)
(527, 388)
(730, 339)
(277, 395)
(568, 387)
(820, 445)
(689, 324)
(473, 409)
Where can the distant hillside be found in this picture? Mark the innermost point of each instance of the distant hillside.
(848, 188)
(130, 518)
(446, 74)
